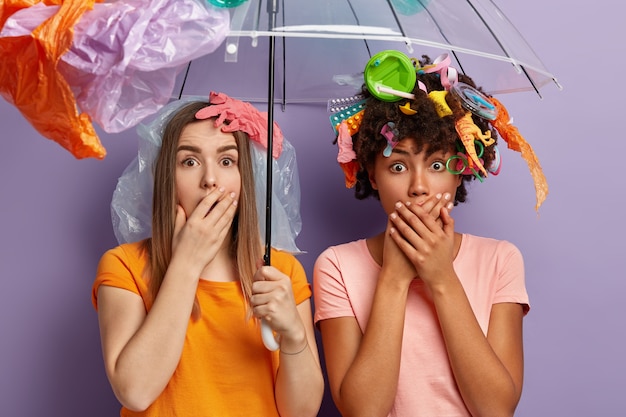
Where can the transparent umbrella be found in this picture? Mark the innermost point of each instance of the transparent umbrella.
(321, 45)
(317, 51)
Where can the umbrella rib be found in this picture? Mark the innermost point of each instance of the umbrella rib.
(532, 82)
(182, 87)
(356, 18)
(395, 17)
(504, 50)
(441, 32)
(489, 29)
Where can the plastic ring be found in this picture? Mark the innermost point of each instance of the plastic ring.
(497, 163)
(456, 171)
(481, 148)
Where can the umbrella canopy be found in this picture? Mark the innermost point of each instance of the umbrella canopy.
(322, 46)
(318, 50)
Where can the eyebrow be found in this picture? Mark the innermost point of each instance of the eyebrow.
(228, 148)
(440, 153)
(188, 148)
(197, 150)
(401, 151)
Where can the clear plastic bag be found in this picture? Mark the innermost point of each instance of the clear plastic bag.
(131, 205)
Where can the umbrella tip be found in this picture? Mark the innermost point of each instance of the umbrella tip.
(558, 85)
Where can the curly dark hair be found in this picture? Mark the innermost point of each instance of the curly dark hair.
(425, 127)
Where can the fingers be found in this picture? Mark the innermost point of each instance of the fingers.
(413, 221)
(435, 203)
(216, 210)
(415, 229)
(268, 273)
(444, 200)
(179, 220)
(268, 280)
(448, 221)
(200, 235)
(270, 289)
(208, 203)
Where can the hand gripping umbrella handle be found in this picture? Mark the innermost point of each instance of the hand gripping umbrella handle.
(269, 340)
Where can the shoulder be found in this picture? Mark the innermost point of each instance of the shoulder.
(288, 264)
(122, 267)
(354, 249)
(344, 263)
(125, 252)
(499, 259)
(282, 259)
(486, 245)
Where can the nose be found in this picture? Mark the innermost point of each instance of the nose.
(208, 179)
(419, 184)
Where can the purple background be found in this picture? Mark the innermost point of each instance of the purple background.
(55, 223)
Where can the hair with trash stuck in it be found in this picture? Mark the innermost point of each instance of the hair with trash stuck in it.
(429, 131)
(246, 247)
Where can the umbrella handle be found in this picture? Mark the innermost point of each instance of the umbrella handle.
(269, 340)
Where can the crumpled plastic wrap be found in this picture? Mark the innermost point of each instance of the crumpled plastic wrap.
(30, 80)
(131, 205)
(286, 222)
(121, 63)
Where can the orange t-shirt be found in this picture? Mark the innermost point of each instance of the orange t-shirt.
(224, 369)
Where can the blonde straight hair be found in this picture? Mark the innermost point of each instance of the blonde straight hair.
(246, 247)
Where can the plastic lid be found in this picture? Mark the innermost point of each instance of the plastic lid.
(392, 70)
(474, 101)
(226, 3)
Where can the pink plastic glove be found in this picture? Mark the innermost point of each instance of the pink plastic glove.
(346, 155)
(344, 142)
(242, 116)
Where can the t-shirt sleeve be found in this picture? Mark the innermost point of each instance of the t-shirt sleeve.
(115, 269)
(511, 285)
(329, 291)
(290, 266)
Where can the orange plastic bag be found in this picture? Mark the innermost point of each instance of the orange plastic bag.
(29, 78)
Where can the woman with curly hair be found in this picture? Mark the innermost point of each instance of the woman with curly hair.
(420, 319)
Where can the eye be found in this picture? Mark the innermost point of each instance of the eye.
(438, 166)
(398, 167)
(228, 161)
(189, 162)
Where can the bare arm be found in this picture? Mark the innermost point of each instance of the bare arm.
(363, 368)
(141, 350)
(299, 382)
(488, 369)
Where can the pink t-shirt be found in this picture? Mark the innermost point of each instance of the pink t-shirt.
(491, 272)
